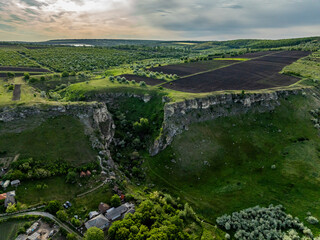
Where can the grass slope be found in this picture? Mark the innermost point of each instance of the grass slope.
(8, 230)
(60, 138)
(224, 165)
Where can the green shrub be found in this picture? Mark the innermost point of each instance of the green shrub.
(115, 201)
(65, 74)
(26, 76)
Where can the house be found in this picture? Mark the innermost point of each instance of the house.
(88, 173)
(9, 199)
(99, 221)
(34, 236)
(103, 207)
(21, 237)
(82, 174)
(15, 183)
(122, 197)
(118, 213)
(93, 214)
(3, 196)
(33, 228)
(6, 184)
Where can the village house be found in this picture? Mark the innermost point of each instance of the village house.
(15, 183)
(103, 207)
(104, 221)
(33, 228)
(10, 198)
(6, 184)
(118, 213)
(3, 196)
(93, 214)
(99, 221)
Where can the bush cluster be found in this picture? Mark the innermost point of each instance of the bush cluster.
(262, 223)
(159, 217)
(155, 75)
(123, 80)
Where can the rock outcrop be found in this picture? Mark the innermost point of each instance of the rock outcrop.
(178, 116)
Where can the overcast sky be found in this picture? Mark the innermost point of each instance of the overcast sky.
(37, 20)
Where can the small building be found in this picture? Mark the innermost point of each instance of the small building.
(82, 174)
(122, 197)
(103, 207)
(52, 232)
(34, 236)
(3, 196)
(9, 199)
(114, 214)
(33, 228)
(22, 237)
(15, 183)
(88, 173)
(99, 221)
(6, 184)
(93, 214)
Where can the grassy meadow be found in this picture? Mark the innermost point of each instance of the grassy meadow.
(225, 165)
(47, 140)
(8, 230)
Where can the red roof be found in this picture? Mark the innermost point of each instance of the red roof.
(82, 174)
(3, 196)
(122, 197)
(88, 173)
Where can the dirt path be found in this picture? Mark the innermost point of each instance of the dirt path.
(91, 190)
(16, 92)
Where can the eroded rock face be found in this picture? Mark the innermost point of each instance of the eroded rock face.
(178, 116)
(98, 122)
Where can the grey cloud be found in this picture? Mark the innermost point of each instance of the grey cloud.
(211, 17)
(34, 3)
(6, 27)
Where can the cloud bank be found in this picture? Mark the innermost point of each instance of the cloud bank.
(36, 20)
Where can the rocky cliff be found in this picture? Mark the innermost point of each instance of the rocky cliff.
(96, 118)
(178, 116)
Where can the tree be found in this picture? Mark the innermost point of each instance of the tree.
(75, 222)
(26, 76)
(10, 75)
(94, 233)
(115, 201)
(142, 126)
(122, 234)
(62, 215)
(65, 74)
(71, 236)
(11, 208)
(53, 206)
(71, 177)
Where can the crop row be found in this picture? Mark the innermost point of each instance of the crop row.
(89, 59)
(10, 57)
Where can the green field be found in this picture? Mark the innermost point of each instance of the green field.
(58, 189)
(224, 165)
(8, 230)
(60, 138)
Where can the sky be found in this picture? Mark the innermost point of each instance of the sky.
(39, 20)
